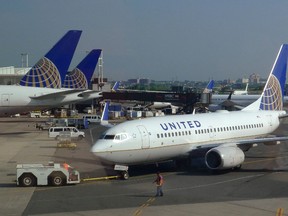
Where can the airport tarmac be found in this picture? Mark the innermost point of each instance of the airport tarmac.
(259, 188)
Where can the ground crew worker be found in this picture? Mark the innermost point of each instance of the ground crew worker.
(159, 183)
(66, 166)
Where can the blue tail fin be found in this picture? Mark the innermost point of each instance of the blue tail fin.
(116, 86)
(273, 92)
(105, 114)
(80, 77)
(50, 70)
(209, 87)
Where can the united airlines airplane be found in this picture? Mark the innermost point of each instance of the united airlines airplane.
(40, 88)
(225, 135)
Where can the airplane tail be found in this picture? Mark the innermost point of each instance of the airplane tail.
(80, 77)
(105, 114)
(246, 89)
(116, 86)
(273, 92)
(209, 87)
(50, 70)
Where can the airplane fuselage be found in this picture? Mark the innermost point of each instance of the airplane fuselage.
(157, 139)
(19, 99)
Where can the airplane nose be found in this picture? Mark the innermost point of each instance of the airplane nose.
(99, 149)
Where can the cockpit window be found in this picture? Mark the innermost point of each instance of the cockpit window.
(117, 137)
(109, 137)
(106, 136)
(123, 136)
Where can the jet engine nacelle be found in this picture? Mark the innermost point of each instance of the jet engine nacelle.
(224, 157)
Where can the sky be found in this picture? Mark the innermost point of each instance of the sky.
(155, 39)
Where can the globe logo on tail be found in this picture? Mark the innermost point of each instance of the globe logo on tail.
(43, 74)
(76, 80)
(272, 95)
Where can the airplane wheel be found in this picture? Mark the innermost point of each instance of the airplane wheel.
(125, 175)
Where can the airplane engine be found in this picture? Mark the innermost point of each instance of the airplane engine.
(224, 157)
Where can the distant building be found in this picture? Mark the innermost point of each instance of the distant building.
(245, 80)
(11, 75)
(139, 81)
(254, 78)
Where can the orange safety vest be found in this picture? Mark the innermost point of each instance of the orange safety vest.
(66, 166)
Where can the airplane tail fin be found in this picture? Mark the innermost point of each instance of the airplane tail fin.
(273, 92)
(116, 86)
(50, 70)
(209, 87)
(246, 89)
(80, 77)
(105, 115)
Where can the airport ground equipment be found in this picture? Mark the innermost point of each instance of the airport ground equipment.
(65, 141)
(52, 174)
(55, 132)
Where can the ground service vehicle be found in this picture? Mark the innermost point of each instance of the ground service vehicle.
(54, 132)
(52, 174)
(92, 118)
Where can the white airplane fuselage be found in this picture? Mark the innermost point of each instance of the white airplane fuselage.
(19, 99)
(158, 139)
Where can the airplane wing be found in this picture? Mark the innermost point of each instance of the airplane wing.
(90, 93)
(45, 96)
(273, 140)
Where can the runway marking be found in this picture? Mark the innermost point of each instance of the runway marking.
(143, 206)
(280, 212)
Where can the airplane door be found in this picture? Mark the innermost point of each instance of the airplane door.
(144, 136)
(5, 99)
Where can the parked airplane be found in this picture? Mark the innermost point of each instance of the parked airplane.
(47, 73)
(241, 92)
(80, 77)
(225, 135)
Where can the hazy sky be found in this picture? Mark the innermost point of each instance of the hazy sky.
(156, 39)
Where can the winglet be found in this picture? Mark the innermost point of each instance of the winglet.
(273, 92)
(209, 87)
(80, 77)
(50, 70)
